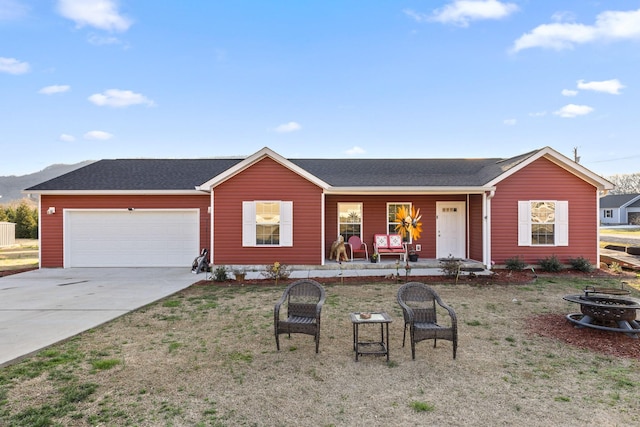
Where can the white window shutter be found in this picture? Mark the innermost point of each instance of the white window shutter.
(524, 223)
(562, 223)
(248, 224)
(286, 223)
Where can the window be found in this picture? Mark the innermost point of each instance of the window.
(543, 223)
(392, 208)
(608, 213)
(350, 220)
(267, 223)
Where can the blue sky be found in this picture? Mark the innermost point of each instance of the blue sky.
(94, 79)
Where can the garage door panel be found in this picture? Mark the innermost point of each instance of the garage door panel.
(131, 239)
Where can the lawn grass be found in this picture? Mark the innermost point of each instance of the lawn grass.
(206, 357)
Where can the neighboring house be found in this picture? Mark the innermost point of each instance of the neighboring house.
(266, 208)
(616, 209)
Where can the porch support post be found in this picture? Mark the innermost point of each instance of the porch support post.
(486, 228)
(211, 217)
(322, 228)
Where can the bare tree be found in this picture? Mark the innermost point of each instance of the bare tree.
(625, 184)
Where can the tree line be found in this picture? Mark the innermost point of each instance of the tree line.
(24, 216)
(625, 183)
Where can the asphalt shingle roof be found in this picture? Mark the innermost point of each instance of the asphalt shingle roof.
(186, 174)
(616, 200)
(139, 174)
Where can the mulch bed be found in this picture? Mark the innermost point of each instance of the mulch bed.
(499, 277)
(556, 326)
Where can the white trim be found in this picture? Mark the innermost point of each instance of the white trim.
(286, 223)
(249, 224)
(66, 229)
(117, 192)
(407, 191)
(361, 204)
(409, 238)
(255, 158)
(562, 161)
(561, 223)
(211, 225)
(323, 228)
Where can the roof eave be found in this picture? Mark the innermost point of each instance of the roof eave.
(408, 190)
(564, 162)
(113, 192)
(254, 158)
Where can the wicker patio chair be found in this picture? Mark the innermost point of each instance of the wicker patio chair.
(418, 302)
(304, 299)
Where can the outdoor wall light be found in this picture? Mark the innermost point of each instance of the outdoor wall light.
(51, 210)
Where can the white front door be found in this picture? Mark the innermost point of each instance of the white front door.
(450, 229)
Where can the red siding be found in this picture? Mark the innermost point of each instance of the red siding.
(543, 180)
(267, 180)
(375, 217)
(51, 226)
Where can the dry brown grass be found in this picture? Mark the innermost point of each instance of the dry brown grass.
(207, 356)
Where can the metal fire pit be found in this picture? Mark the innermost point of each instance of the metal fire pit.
(606, 310)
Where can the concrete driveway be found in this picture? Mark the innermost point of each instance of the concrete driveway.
(41, 307)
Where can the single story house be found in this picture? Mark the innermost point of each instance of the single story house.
(266, 208)
(617, 209)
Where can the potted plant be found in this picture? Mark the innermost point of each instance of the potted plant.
(374, 257)
(413, 255)
(239, 274)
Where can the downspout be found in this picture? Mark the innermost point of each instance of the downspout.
(40, 235)
(211, 251)
(322, 227)
(486, 225)
(598, 227)
(468, 251)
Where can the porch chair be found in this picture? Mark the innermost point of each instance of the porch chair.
(357, 246)
(418, 302)
(304, 299)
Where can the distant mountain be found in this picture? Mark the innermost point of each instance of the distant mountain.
(11, 186)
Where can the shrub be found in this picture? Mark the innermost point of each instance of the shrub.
(550, 264)
(220, 274)
(276, 271)
(450, 267)
(515, 264)
(581, 264)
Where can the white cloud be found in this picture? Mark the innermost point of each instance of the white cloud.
(538, 114)
(609, 26)
(97, 40)
(101, 14)
(119, 98)
(355, 150)
(11, 10)
(608, 86)
(288, 127)
(50, 90)
(13, 66)
(510, 122)
(461, 12)
(569, 92)
(65, 137)
(97, 135)
(570, 111)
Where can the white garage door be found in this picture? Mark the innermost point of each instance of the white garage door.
(138, 238)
